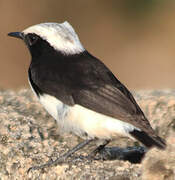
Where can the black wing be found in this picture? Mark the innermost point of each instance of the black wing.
(111, 98)
(105, 94)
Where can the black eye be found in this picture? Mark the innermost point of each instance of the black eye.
(32, 39)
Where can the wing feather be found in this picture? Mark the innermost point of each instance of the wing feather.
(110, 101)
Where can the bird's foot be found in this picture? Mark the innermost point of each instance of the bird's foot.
(50, 163)
(63, 158)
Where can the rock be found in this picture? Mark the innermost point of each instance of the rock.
(29, 136)
(159, 164)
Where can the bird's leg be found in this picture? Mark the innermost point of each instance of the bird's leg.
(98, 150)
(62, 158)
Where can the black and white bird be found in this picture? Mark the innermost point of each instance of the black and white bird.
(79, 91)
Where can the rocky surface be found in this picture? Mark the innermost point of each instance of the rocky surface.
(29, 136)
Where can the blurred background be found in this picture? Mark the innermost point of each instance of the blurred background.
(134, 38)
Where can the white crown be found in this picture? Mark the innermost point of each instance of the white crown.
(62, 36)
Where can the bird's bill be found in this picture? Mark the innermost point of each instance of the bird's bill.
(16, 35)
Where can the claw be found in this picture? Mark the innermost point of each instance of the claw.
(63, 158)
(48, 164)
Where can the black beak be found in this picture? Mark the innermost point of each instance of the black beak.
(19, 35)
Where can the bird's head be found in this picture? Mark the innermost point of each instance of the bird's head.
(44, 37)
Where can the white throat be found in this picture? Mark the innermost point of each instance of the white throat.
(62, 37)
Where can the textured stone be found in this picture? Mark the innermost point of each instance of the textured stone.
(29, 136)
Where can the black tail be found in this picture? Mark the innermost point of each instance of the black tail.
(147, 140)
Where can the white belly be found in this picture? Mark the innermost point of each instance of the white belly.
(80, 120)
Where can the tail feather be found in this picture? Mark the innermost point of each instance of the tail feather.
(147, 140)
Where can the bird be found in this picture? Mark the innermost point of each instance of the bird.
(80, 92)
